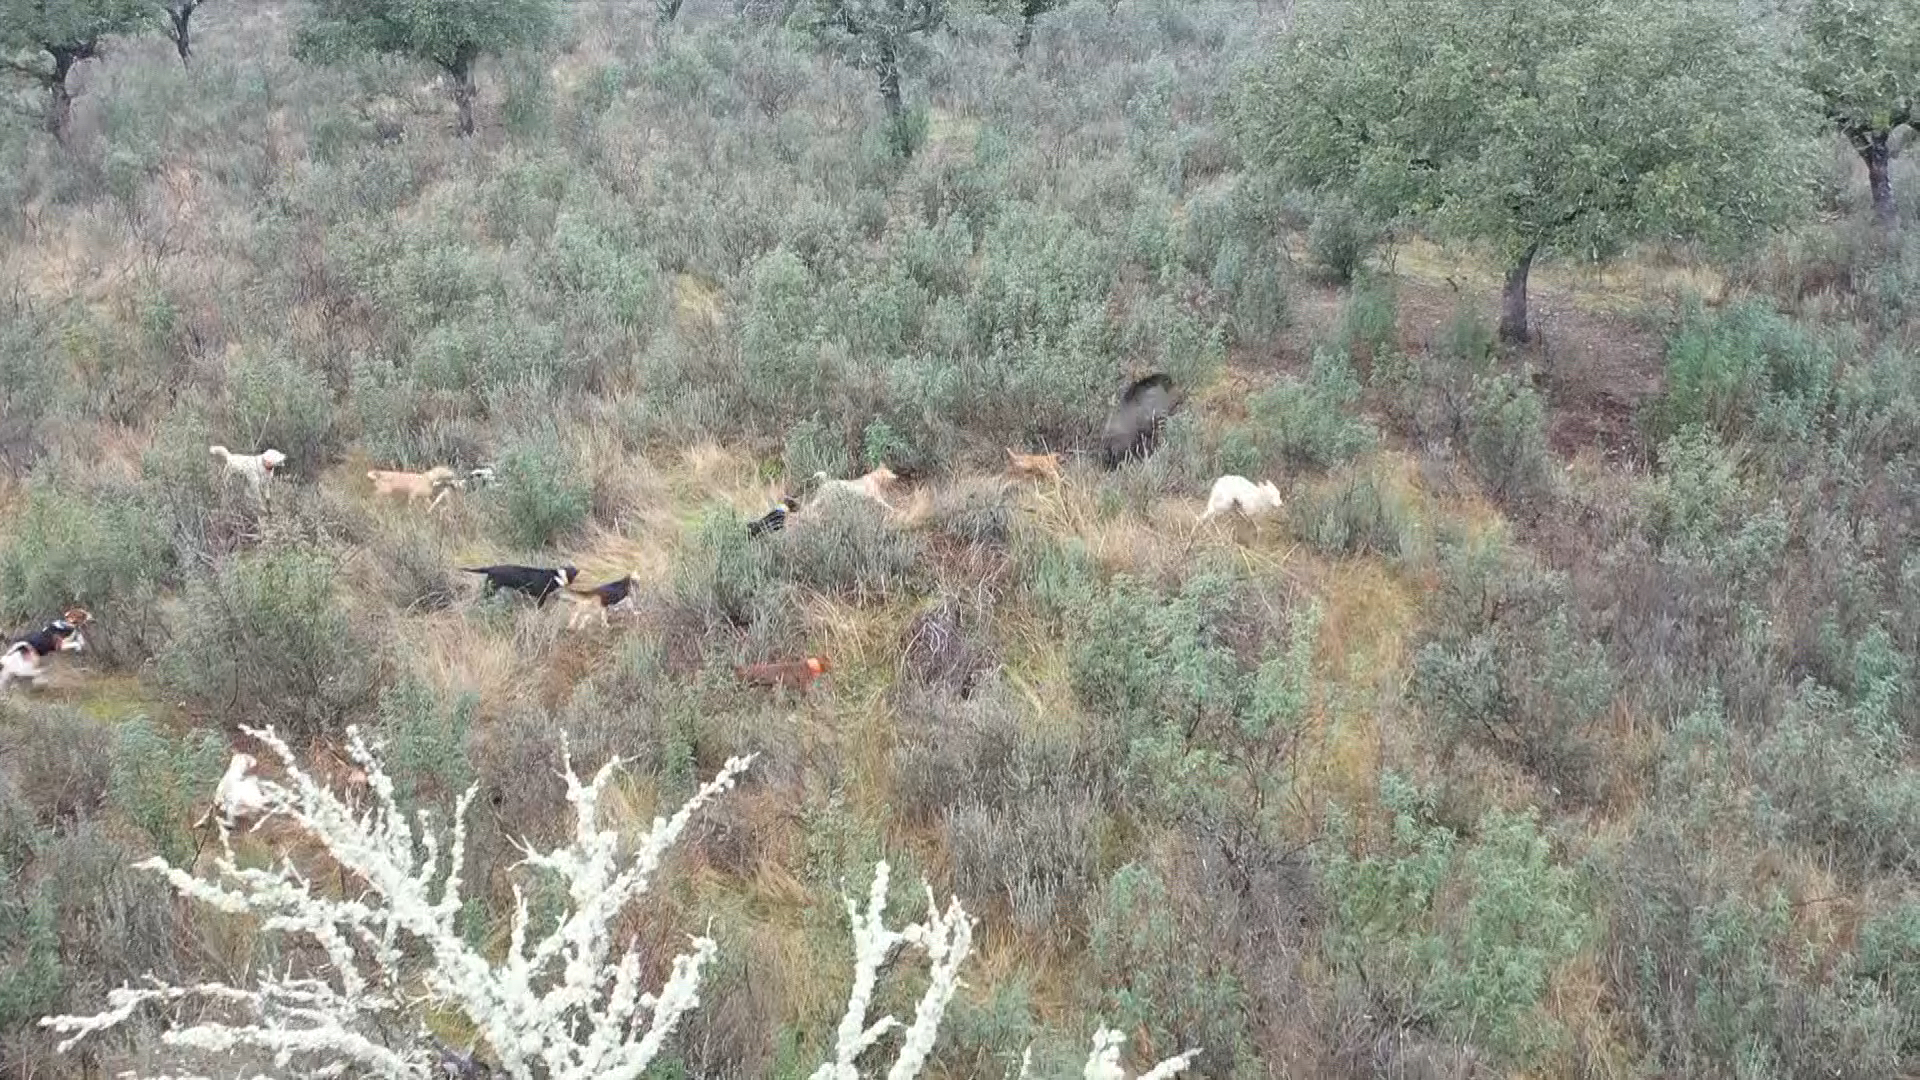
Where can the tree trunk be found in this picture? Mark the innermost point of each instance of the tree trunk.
(60, 105)
(182, 34)
(1025, 37)
(1513, 301)
(463, 90)
(1875, 152)
(897, 133)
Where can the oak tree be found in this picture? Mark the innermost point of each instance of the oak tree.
(1571, 127)
(451, 34)
(180, 26)
(883, 36)
(42, 40)
(1862, 57)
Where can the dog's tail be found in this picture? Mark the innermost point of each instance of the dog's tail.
(220, 452)
(476, 569)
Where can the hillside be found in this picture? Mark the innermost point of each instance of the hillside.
(1561, 723)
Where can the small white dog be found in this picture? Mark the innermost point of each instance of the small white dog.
(239, 796)
(255, 469)
(1239, 493)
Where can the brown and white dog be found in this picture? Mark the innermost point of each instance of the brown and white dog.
(601, 598)
(436, 484)
(1036, 466)
(793, 674)
(27, 657)
(255, 469)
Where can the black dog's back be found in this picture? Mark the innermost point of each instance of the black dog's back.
(538, 582)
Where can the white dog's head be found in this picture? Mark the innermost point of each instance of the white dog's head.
(272, 459)
(1270, 493)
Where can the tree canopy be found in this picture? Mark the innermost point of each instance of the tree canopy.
(1862, 58)
(451, 34)
(882, 36)
(43, 39)
(1566, 126)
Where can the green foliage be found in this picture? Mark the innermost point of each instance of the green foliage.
(161, 781)
(1501, 123)
(447, 33)
(277, 401)
(425, 741)
(1507, 441)
(1741, 370)
(543, 497)
(1862, 60)
(1360, 512)
(1154, 977)
(1465, 935)
(848, 547)
(1312, 422)
(264, 636)
(31, 977)
(1338, 242)
(104, 551)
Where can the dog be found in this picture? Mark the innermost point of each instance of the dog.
(255, 469)
(793, 674)
(1239, 493)
(239, 796)
(601, 598)
(538, 582)
(436, 483)
(871, 486)
(775, 519)
(482, 477)
(1038, 466)
(1133, 428)
(27, 657)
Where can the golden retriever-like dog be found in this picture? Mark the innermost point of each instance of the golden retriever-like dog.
(436, 484)
(1036, 466)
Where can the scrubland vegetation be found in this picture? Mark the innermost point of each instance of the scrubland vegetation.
(1562, 724)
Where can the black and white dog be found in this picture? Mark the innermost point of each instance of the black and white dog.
(538, 582)
(775, 519)
(27, 657)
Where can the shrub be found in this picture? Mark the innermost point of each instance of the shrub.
(425, 741)
(544, 496)
(1467, 935)
(1311, 422)
(1339, 240)
(812, 448)
(1506, 440)
(102, 550)
(1360, 513)
(1153, 976)
(279, 402)
(61, 763)
(1724, 367)
(264, 635)
(160, 781)
(848, 547)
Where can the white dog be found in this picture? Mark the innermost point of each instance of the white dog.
(238, 796)
(255, 469)
(1242, 494)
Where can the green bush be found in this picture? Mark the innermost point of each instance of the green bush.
(1312, 422)
(544, 497)
(161, 781)
(264, 639)
(848, 547)
(1361, 513)
(424, 741)
(1507, 442)
(1339, 241)
(1465, 935)
(1153, 976)
(279, 402)
(102, 550)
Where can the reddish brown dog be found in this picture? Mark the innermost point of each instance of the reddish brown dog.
(797, 674)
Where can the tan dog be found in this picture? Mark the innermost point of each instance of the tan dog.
(872, 486)
(436, 483)
(1037, 466)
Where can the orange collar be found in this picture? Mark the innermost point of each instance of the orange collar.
(813, 664)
